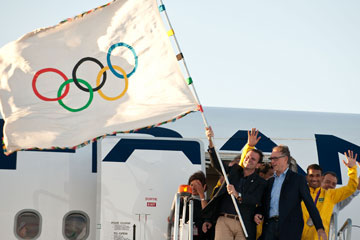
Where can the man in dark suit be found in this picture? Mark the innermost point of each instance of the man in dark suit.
(246, 186)
(282, 202)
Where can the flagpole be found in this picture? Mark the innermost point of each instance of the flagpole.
(190, 82)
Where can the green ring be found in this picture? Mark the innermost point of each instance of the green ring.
(78, 109)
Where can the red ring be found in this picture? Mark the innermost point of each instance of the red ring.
(37, 74)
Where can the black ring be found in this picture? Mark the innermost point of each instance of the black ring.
(77, 66)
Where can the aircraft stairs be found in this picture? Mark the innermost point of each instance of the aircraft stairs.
(345, 231)
(180, 225)
(181, 228)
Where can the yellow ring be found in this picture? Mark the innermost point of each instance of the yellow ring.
(99, 78)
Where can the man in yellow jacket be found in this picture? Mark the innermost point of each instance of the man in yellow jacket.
(326, 199)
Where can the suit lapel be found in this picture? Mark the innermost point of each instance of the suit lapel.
(286, 180)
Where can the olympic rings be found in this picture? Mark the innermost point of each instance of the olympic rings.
(125, 78)
(37, 74)
(77, 66)
(109, 62)
(86, 105)
(88, 87)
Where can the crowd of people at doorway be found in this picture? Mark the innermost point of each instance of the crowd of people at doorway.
(275, 202)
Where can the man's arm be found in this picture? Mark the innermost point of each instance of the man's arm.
(261, 209)
(341, 205)
(213, 157)
(255, 197)
(345, 202)
(253, 139)
(340, 194)
(215, 162)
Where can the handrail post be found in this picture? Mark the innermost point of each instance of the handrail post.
(335, 225)
(191, 219)
(177, 217)
(346, 227)
(349, 229)
(182, 223)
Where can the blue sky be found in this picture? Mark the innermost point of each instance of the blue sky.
(277, 54)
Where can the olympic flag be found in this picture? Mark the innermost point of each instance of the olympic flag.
(108, 70)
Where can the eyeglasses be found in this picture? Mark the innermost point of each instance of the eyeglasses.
(276, 158)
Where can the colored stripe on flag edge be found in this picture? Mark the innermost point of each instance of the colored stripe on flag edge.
(86, 12)
(97, 138)
(66, 20)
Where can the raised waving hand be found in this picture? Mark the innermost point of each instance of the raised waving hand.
(351, 159)
(253, 138)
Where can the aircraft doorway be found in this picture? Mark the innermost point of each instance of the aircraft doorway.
(137, 181)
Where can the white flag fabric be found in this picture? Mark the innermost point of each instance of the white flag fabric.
(109, 70)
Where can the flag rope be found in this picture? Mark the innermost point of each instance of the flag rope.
(162, 9)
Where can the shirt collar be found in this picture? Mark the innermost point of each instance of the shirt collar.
(281, 175)
(312, 190)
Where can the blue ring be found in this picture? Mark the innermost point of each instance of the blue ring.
(109, 61)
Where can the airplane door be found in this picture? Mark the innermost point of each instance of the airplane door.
(137, 181)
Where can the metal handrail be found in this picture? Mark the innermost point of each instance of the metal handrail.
(346, 228)
(182, 223)
(177, 217)
(175, 214)
(333, 231)
(191, 219)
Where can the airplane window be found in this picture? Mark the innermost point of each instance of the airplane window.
(27, 224)
(76, 226)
